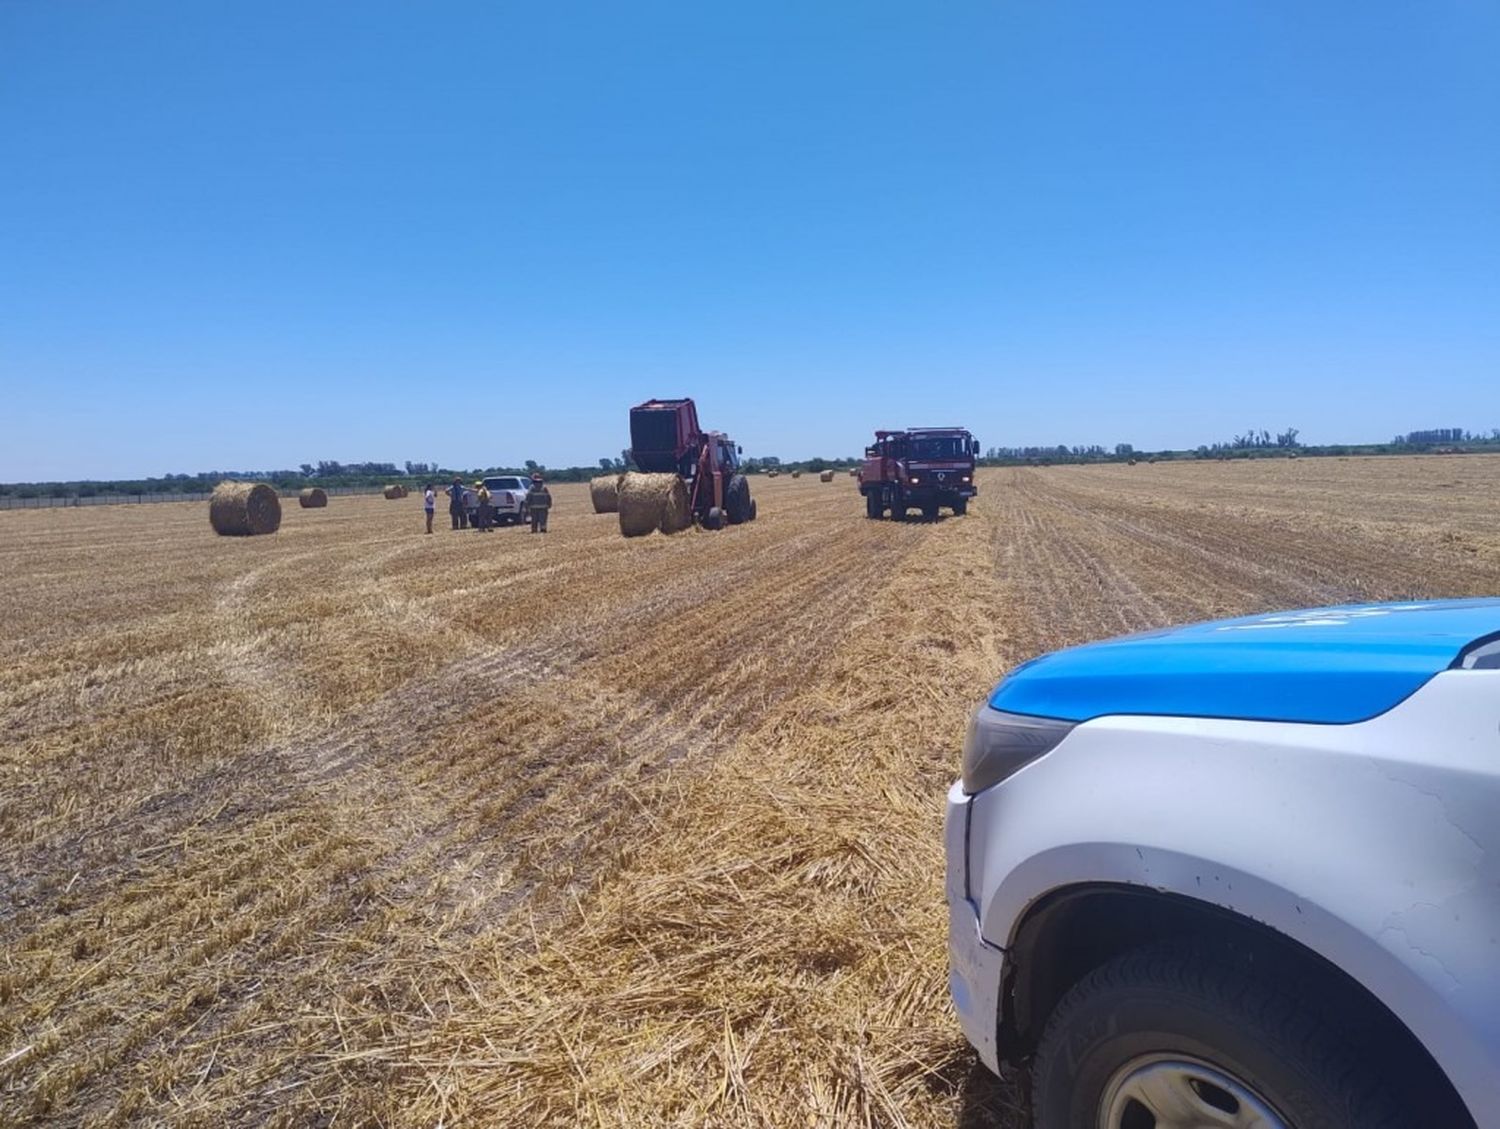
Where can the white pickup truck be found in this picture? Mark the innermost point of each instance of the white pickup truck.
(507, 497)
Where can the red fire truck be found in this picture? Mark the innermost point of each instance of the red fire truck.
(922, 468)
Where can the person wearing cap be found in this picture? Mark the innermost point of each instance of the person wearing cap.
(456, 504)
(483, 513)
(538, 502)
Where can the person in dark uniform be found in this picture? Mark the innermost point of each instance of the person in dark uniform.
(456, 504)
(538, 502)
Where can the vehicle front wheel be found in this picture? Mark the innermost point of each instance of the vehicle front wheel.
(873, 508)
(1173, 1036)
(960, 507)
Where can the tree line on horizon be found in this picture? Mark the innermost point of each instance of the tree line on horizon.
(1254, 443)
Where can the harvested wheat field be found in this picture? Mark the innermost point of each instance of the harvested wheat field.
(351, 825)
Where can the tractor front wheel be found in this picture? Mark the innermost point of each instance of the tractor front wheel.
(714, 519)
(873, 509)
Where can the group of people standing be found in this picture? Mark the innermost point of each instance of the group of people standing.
(470, 507)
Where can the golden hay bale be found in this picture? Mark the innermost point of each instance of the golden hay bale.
(313, 498)
(826, 476)
(854, 472)
(393, 492)
(796, 474)
(604, 491)
(772, 473)
(244, 509)
(653, 501)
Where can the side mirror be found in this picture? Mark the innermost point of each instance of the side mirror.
(974, 446)
(740, 450)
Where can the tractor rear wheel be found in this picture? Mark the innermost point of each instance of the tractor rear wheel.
(737, 500)
(873, 508)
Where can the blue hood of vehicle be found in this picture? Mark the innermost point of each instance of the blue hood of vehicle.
(1325, 665)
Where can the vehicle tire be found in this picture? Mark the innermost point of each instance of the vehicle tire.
(960, 507)
(753, 510)
(714, 519)
(873, 508)
(1185, 1029)
(930, 511)
(737, 500)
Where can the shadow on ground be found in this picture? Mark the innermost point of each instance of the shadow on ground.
(988, 1102)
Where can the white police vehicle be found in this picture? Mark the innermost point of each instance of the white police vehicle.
(508, 497)
(1243, 873)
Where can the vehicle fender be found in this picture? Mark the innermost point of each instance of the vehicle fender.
(1372, 845)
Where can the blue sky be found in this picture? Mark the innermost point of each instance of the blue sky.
(247, 235)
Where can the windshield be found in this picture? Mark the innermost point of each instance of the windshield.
(939, 447)
(504, 483)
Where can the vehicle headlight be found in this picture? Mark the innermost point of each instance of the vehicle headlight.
(998, 744)
(966, 478)
(915, 480)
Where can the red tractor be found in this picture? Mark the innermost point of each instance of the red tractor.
(665, 438)
(920, 468)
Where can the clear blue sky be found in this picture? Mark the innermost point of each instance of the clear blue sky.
(249, 234)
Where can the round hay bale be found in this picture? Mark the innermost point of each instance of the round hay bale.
(604, 492)
(244, 509)
(676, 512)
(313, 498)
(772, 473)
(854, 472)
(393, 492)
(826, 476)
(796, 474)
(653, 501)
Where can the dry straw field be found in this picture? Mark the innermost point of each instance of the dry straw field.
(350, 825)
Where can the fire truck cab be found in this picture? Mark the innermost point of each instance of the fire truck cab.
(923, 468)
